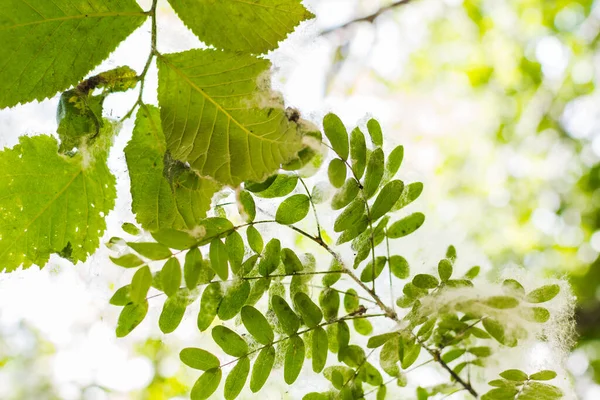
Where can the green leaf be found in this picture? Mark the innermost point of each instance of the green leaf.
(234, 299)
(395, 160)
(229, 341)
(130, 228)
(165, 193)
(445, 269)
(140, 284)
(329, 300)
(496, 330)
(293, 209)
(271, 258)
(337, 172)
(543, 294)
(353, 356)
(481, 351)
(350, 300)
(254, 26)
(259, 287)
(386, 199)
(411, 353)
(544, 375)
(336, 133)
(130, 317)
(220, 140)
(513, 286)
(319, 349)
(311, 313)
(473, 272)
(294, 358)
(237, 378)
(410, 193)
(218, 259)
(375, 132)
(175, 239)
(121, 296)
(172, 313)
(234, 245)
(331, 278)
(536, 390)
(535, 314)
(255, 240)
(371, 273)
(345, 194)
(502, 393)
(211, 297)
(290, 261)
(127, 261)
(151, 250)
(287, 318)
(379, 340)
(206, 385)
(52, 203)
(514, 375)
(246, 206)
(406, 226)
(276, 186)
(350, 215)
(374, 173)
(425, 281)
(248, 265)
(195, 271)
(362, 326)
(170, 276)
(452, 355)
(358, 152)
(257, 325)
(381, 392)
(34, 41)
(389, 356)
(198, 359)
(501, 302)
(399, 267)
(262, 368)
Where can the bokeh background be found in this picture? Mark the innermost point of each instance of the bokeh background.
(496, 102)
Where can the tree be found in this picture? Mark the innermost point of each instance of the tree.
(219, 128)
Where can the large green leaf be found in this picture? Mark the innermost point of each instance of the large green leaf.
(51, 203)
(47, 46)
(219, 114)
(250, 26)
(165, 194)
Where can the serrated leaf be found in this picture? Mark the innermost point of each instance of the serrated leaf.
(198, 359)
(206, 385)
(372, 271)
(271, 258)
(220, 140)
(52, 203)
(170, 276)
(131, 316)
(255, 240)
(329, 300)
(172, 313)
(399, 267)
(218, 259)
(543, 294)
(386, 199)
(257, 325)
(544, 375)
(336, 133)
(229, 341)
(406, 226)
(425, 281)
(445, 269)
(319, 349)
(345, 194)
(411, 192)
(294, 358)
(375, 132)
(211, 297)
(140, 284)
(236, 379)
(337, 172)
(262, 368)
(358, 152)
(127, 261)
(255, 26)
(350, 215)
(374, 173)
(165, 193)
(293, 209)
(287, 318)
(34, 41)
(311, 313)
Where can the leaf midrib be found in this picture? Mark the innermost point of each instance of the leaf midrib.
(76, 17)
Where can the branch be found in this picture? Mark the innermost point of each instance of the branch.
(368, 18)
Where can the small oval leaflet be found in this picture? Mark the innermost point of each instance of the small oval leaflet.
(319, 349)
(543, 294)
(386, 199)
(257, 325)
(336, 133)
(218, 259)
(151, 250)
(237, 378)
(345, 194)
(262, 368)
(308, 310)
(127, 261)
(350, 215)
(234, 299)
(287, 318)
(358, 152)
(140, 284)
(211, 297)
(337, 172)
(130, 317)
(425, 281)
(406, 226)
(198, 359)
(229, 341)
(294, 358)
(375, 132)
(206, 385)
(170, 276)
(255, 240)
(374, 174)
(293, 209)
(399, 267)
